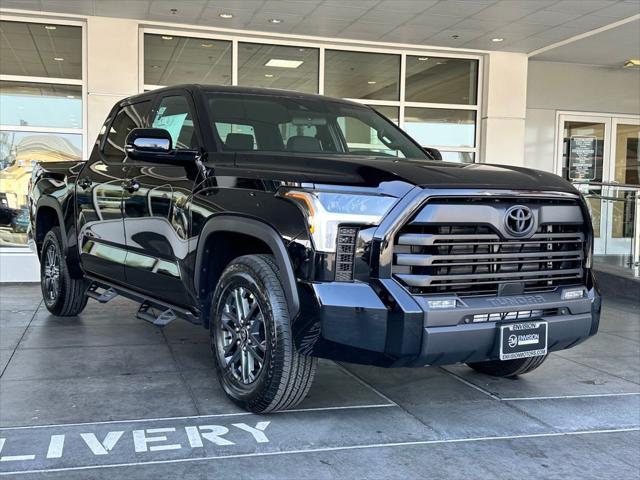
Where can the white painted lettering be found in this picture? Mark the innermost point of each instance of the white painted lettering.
(104, 447)
(257, 432)
(56, 445)
(13, 458)
(213, 433)
(141, 439)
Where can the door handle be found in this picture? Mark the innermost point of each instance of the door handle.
(85, 183)
(131, 186)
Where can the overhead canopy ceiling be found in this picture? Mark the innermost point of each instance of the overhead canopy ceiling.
(611, 48)
(524, 25)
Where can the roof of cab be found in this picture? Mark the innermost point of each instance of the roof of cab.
(236, 89)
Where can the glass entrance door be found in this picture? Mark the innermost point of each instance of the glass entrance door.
(584, 142)
(599, 154)
(624, 171)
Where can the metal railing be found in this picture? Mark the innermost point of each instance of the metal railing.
(615, 210)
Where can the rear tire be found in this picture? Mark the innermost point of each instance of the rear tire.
(257, 363)
(508, 368)
(63, 296)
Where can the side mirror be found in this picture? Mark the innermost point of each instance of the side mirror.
(156, 146)
(432, 153)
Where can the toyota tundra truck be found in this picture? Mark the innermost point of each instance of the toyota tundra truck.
(295, 227)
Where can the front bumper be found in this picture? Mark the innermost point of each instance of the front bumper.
(382, 324)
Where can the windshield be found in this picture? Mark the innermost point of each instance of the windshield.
(265, 123)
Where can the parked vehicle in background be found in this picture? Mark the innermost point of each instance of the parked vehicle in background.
(297, 226)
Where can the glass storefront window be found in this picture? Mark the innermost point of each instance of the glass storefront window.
(171, 60)
(392, 113)
(40, 105)
(441, 127)
(40, 50)
(373, 76)
(275, 66)
(441, 80)
(458, 157)
(19, 151)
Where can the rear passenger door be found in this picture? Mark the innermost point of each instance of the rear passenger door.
(157, 198)
(99, 194)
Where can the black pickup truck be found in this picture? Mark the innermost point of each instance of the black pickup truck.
(298, 226)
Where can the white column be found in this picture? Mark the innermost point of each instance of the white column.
(112, 67)
(504, 108)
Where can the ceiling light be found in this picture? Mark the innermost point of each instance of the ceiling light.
(50, 27)
(155, 66)
(278, 62)
(275, 20)
(372, 82)
(423, 59)
(632, 63)
(58, 59)
(226, 15)
(167, 37)
(268, 75)
(70, 96)
(206, 45)
(497, 39)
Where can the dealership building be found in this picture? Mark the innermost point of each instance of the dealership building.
(550, 85)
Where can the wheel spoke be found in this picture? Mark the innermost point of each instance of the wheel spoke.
(245, 366)
(239, 304)
(255, 354)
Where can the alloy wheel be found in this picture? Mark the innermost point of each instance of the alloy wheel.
(242, 335)
(51, 273)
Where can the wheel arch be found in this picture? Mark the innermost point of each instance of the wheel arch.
(224, 231)
(48, 215)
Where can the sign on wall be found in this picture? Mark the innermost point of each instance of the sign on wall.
(582, 158)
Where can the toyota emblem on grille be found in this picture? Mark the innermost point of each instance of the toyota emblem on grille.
(519, 220)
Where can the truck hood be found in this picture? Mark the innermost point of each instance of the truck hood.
(362, 171)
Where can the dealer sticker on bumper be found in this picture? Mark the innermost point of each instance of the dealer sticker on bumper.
(521, 340)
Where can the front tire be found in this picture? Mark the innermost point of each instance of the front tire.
(508, 368)
(257, 363)
(63, 295)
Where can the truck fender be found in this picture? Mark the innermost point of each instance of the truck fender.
(261, 231)
(46, 201)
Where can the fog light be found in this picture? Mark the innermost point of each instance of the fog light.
(572, 293)
(450, 303)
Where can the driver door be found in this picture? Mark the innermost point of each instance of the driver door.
(157, 199)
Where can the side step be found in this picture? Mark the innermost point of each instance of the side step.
(155, 311)
(103, 296)
(155, 315)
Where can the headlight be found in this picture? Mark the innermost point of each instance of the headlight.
(325, 211)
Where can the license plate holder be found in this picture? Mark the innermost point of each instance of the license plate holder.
(523, 339)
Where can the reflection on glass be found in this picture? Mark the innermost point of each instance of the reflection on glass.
(627, 170)
(40, 105)
(441, 80)
(458, 157)
(441, 127)
(170, 60)
(19, 151)
(583, 130)
(40, 50)
(127, 118)
(373, 76)
(274, 66)
(392, 113)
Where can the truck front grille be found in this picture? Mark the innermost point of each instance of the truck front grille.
(476, 260)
